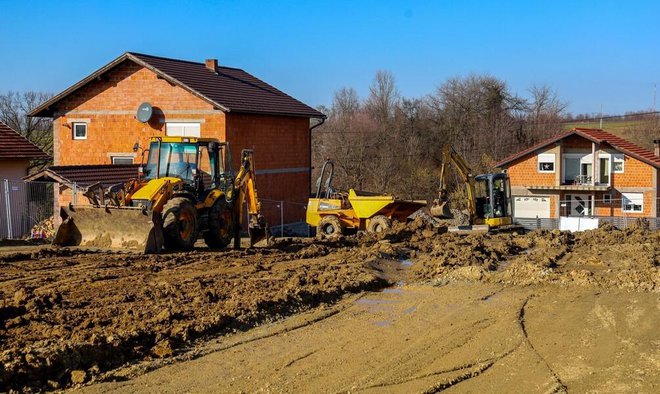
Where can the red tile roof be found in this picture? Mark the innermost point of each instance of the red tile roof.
(595, 135)
(229, 89)
(86, 175)
(15, 146)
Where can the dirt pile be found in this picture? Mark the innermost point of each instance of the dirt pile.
(606, 257)
(67, 316)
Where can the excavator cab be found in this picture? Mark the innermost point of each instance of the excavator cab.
(493, 199)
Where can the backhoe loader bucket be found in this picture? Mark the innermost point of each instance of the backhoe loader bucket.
(110, 227)
(259, 234)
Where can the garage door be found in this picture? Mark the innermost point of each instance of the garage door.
(531, 206)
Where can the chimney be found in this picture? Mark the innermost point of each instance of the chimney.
(656, 145)
(211, 64)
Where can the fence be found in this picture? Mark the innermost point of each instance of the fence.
(576, 215)
(286, 218)
(22, 205)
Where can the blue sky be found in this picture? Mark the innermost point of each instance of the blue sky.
(592, 52)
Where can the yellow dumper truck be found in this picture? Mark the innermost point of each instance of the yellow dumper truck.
(335, 212)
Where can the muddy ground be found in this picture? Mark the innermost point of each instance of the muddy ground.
(70, 317)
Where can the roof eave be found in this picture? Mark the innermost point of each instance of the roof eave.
(44, 110)
(39, 111)
(320, 115)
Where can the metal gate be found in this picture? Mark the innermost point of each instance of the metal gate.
(22, 205)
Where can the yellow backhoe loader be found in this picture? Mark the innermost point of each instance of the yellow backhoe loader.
(488, 197)
(187, 189)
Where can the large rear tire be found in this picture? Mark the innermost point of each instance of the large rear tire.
(329, 227)
(180, 228)
(221, 225)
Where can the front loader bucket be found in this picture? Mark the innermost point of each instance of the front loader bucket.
(110, 227)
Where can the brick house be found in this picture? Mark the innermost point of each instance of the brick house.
(94, 121)
(585, 172)
(16, 152)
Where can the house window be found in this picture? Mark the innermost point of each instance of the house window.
(547, 162)
(632, 202)
(122, 159)
(79, 131)
(607, 199)
(179, 129)
(617, 164)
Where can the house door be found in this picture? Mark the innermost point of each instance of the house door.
(580, 205)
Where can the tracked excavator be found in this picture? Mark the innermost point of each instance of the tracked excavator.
(488, 198)
(186, 190)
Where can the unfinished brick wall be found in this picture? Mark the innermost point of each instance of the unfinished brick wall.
(281, 148)
(615, 208)
(524, 172)
(109, 106)
(635, 174)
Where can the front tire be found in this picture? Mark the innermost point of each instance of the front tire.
(180, 227)
(221, 225)
(328, 227)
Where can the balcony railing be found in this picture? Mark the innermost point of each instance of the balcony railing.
(584, 180)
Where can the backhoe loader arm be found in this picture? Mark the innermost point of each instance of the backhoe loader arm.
(246, 187)
(450, 156)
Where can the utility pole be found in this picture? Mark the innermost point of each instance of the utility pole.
(601, 116)
(654, 91)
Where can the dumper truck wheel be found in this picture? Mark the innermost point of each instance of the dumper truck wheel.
(379, 223)
(329, 226)
(221, 227)
(180, 228)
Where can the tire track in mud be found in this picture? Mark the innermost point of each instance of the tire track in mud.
(477, 327)
(411, 356)
(560, 386)
(192, 354)
(482, 367)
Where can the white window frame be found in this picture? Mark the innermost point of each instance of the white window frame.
(546, 158)
(633, 198)
(73, 130)
(187, 129)
(618, 158)
(607, 199)
(131, 158)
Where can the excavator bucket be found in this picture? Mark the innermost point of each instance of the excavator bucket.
(441, 210)
(110, 227)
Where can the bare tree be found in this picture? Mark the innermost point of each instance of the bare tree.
(544, 114)
(14, 107)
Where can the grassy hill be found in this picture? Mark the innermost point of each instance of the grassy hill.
(640, 131)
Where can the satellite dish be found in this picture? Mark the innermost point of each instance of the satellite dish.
(144, 112)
